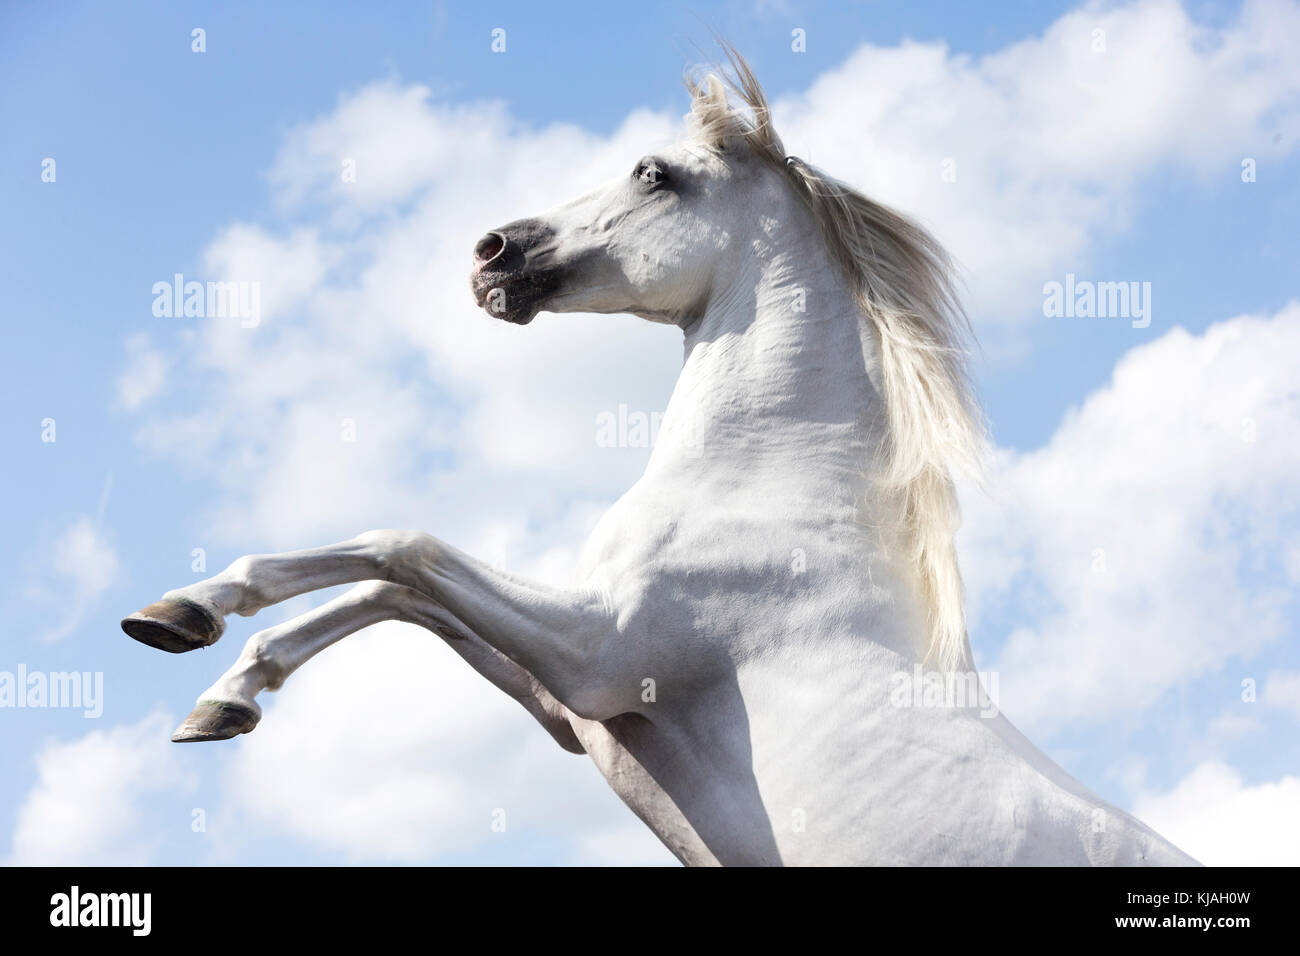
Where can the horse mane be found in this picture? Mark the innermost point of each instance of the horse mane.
(904, 283)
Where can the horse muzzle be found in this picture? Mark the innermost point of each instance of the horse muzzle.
(511, 279)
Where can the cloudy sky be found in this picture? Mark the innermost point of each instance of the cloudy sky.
(1132, 559)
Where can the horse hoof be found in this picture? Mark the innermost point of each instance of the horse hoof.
(216, 720)
(175, 625)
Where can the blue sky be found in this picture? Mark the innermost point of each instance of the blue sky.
(1118, 164)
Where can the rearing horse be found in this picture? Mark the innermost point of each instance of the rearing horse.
(744, 617)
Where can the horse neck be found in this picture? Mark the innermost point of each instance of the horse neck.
(775, 380)
(776, 423)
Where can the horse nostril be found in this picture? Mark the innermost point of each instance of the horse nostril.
(488, 248)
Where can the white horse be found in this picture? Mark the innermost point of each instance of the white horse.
(751, 618)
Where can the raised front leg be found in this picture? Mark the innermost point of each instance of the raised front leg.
(229, 706)
(566, 639)
(194, 616)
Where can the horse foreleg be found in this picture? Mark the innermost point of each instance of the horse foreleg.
(194, 616)
(565, 638)
(229, 706)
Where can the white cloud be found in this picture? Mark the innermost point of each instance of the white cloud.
(1219, 819)
(401, 753)
(372, 321)
(82, 565)
(87, 805)
(1051, 139)
(621, 846)
(1282, 690)
(1144, 545)
(1231, 725)
(144, 375)
(286, 272)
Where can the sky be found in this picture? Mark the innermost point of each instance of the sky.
(1131, 557)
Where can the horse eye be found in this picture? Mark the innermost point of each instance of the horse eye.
(649, 172)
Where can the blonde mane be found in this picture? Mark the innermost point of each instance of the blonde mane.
(904, 283)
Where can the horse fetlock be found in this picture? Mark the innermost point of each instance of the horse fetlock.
(241, 579)
(261, 661)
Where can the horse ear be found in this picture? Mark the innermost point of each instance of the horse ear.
(715, 91)
(711, 113)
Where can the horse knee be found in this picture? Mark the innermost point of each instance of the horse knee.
(398, 553)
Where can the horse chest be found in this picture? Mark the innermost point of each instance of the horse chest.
(695, 590)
